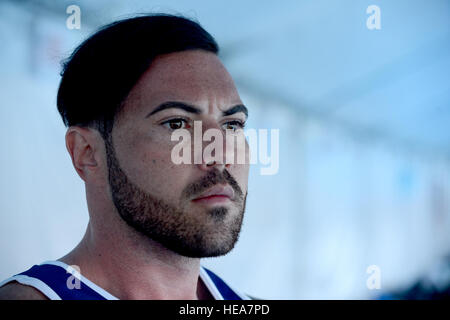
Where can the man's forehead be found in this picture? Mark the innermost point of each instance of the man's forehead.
(188, 61)
(192, 76)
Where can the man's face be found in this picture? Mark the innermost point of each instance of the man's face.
(166, 201)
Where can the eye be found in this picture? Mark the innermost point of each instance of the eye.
(174, 124)
(233, 125)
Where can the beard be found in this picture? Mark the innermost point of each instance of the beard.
(191, 233)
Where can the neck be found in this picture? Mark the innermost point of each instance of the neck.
(131, 266)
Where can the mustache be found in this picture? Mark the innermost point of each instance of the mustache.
(212, 178)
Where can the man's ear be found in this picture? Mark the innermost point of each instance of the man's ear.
(83, 146)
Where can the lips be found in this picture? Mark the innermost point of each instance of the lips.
(217, 192)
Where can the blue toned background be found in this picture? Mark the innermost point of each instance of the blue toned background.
(364, 140)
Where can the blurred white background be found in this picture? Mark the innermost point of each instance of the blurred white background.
(364, 138)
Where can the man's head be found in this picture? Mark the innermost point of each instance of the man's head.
(134, 82)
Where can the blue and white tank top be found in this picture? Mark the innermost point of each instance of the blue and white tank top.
(54, 279)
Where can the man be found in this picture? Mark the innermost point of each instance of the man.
(123, 93)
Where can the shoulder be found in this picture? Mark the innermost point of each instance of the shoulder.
(17, 291)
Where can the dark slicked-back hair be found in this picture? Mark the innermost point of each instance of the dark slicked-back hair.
(100, 73)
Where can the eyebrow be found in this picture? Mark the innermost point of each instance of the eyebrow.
(236, 109)
(192, 109)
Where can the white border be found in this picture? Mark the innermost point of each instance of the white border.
(35, 283)
(45, 289)
(89, 283)
(213, 289)
(210, 284)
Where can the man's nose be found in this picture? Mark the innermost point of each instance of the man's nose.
(217, 158)
(209, 165)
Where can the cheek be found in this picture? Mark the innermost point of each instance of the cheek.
(149, 149)
(241, 151)
(242, 165)
(240, 174)
(153, 169)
